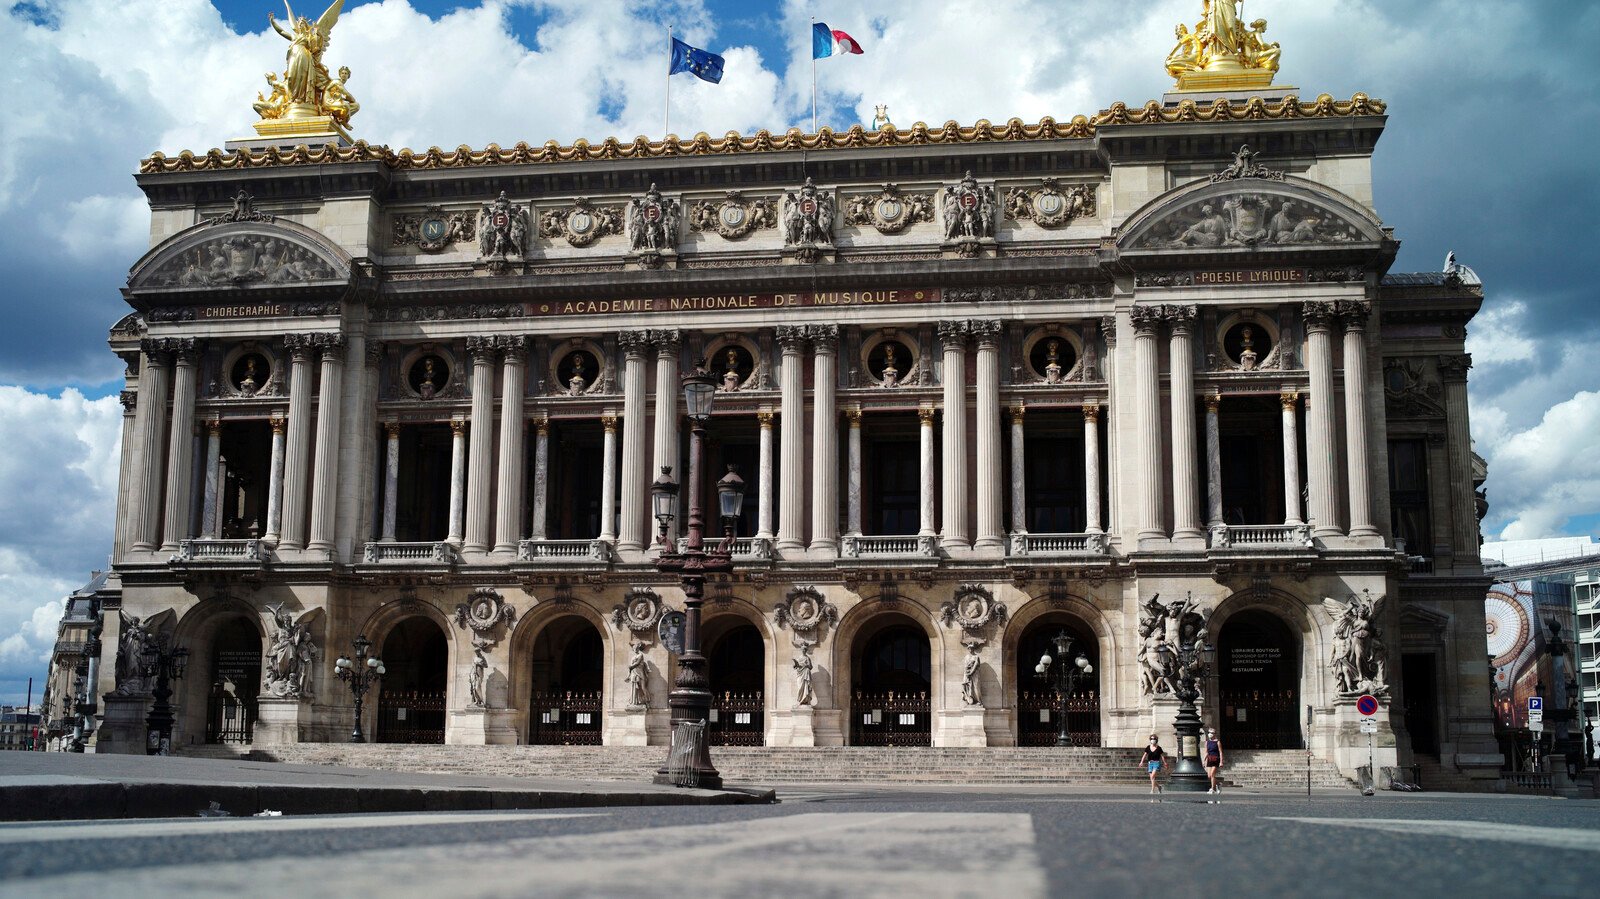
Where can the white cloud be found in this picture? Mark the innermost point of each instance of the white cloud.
(1496, 337)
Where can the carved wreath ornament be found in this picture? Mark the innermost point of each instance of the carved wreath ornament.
(973, 608)
(806, 611)
(639, 613)
(483, 612)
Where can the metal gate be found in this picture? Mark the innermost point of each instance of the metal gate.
(1038, 718)
(230, 716)
(1261, 719)
(566, 718)
(891, 718)
(410, 716)
(737, 719)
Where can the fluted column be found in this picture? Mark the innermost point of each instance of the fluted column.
(1291, 458)
(825, 437)
(480, 449)
(667, 387)
(297, 464)
(1019, 471)
(458, 480)
(1185, 484)
(540, 527)
(128, 485)
(1354, 315)
(1464, 527)
(180, 445)
(1147, 417)
(991, 527)
(929, 477)
(391, 479)
(325, 471)
(275, 482)
(1321, 455)
(1091, 467)
(792, 448)
(211, 517)
(954, 338)
(634, 486)
(1213, 461)
(853, 486)
(608, 478)
(764, 483)
(508, 506)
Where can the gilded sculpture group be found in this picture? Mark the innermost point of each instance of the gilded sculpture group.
(1220, 42)
(305, 90)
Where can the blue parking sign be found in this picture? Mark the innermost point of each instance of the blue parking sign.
(1535, 703)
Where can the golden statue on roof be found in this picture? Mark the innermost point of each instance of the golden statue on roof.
(305, 101)
(1221, 53)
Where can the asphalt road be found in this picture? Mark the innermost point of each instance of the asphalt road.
(836, 842)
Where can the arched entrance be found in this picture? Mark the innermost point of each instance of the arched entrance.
(411, 697)
(568, 682)
(738, 669)
(1039, 707)
(892, 685)
(234, 679)
(1258, 662)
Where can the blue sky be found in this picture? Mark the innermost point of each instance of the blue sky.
(1489, 152)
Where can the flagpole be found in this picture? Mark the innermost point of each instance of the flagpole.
(666, 118)
(813, 75)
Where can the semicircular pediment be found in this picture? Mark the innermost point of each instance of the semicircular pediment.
(1253, 213)
(241, 255)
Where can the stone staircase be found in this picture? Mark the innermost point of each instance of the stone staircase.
(1278, 771)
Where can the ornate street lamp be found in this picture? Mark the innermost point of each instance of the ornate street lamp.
(1063, 679)
(1192, 660)
(166, 664)
(689, 764)
(88, 674)
(360, 673)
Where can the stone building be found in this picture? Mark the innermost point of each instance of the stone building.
(987, 384)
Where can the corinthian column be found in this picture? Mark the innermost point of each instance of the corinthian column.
(180, 445)
(211, 517)
(1185, 485)
(297, 461)
(667, 386)
(324, 475)
(1019, 471)
(631, 531)
(1213, 462)
(930, 478)
(991, 530)
(508, 508)
(1321, 455)
(792, 448)
(1147, 416)
(275, 483)
(458, 480)
(391, 480)
(540, 527)
(825, 436)
(1354, 313)
(1291, 458)
(1464, 528)
(480, 451)
(853, 485)
(764, 482)
(954, 337)
(608, 478)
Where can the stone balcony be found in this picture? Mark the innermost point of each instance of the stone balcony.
(1050, 546)
(745, 549)
(229, 553)
(1262, 536)
(909, 548)
(582, 554)
(422, 554)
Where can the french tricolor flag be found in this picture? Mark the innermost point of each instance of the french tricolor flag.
(828, 42)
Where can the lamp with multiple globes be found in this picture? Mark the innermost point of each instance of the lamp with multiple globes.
(360, 672)
(1064, 678)
(165, 664)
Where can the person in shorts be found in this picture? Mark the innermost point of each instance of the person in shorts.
(1153, 760)
(1213, 759)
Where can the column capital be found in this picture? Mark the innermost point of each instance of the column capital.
(541, 425)
(824, 338)
(1213, 403)
(300, 346)
(392, 429)
(987, 330)
(666, 340)
(279, 424)
(458, 426)
(791, 337)
(1454, 366)
(1319, 316)
(608, 420)
(1146, 319)
(1108, 329)
(925, 415)
(375, 350)
(1018, 413)
(633, 343)
(481, 348)
(514, 346)
(1353, 313)
(953, 334)
(1289, 399)
(331, 345)
(129, 400)
(1091, 411)
(213, 426)
(186, 350)
(1179, 317)
(764, 418)
(853, 415)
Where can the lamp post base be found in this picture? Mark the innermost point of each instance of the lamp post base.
(690, 766)
(1188, 776)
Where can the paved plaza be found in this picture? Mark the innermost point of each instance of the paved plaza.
(836, 841)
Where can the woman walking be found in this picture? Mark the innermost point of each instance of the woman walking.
(1153, 760)
(1213, 759)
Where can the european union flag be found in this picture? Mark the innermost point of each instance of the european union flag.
(704, 66)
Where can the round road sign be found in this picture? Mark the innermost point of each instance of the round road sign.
(1367, 704)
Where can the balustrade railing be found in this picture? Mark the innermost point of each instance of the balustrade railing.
(858, 546)
(558, 551)
(743, 547)
(1058, 544)
(432, 553)
(208, 550)
(1248, 536)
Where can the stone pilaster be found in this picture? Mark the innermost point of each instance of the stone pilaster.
(480, 449)
(325, 471)
(126, 479)
(211, 515)
(991, 529)
(1321, 454)
(539, 528)
(631, 533)
(927, 513)
(1091, 467)
(391, 479)
(1464, 529)
(667, 343)
(853, 465)
(508, 504)
(1354, 314)
(825, 439)
(150, 446)
(764, 418)
(458, 480)
(953, 337)
(275, 482)
(297, 463)
(608, 478)
(1147, 416)
(1019, 470)
(1290, 400)
(792, 450)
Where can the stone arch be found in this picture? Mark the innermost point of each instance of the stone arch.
(1109, 653)
(240, 258)
(1303, 623)
(1342, 220)
(720, 620)
(197, 630)
(520, 647)
(380, 625)
(865, 620)
(716, 617)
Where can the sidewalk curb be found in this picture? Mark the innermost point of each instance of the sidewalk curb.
(110, 799)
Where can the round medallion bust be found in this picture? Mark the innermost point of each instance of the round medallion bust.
(249, 372)
(428, 375)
